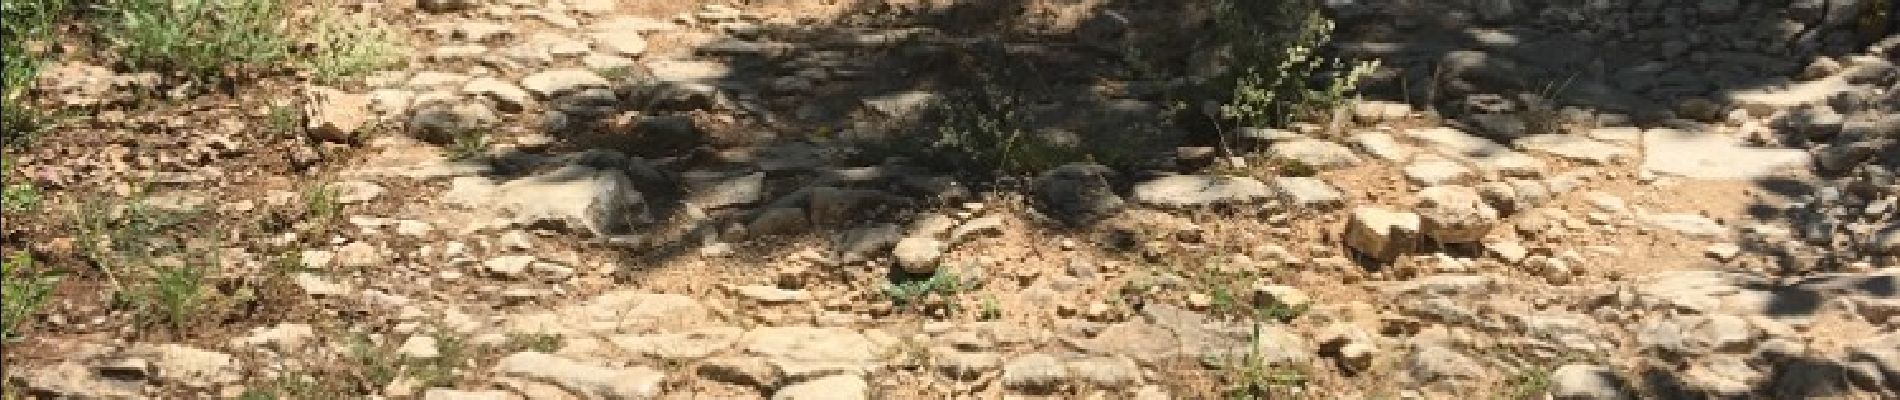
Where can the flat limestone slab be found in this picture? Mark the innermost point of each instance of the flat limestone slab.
(1699, 155)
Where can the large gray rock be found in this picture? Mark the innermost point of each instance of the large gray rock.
(1691, 225)
(1313, 153)
(1586, 382)
(72, 380)
(918, 255)
(1034, 373)
(593, 381)
(617, 312)
(1382, 234)
(805, 352)
(1454, 214)
(1200, 190)
(720, 189)
(1885, 241)
(442, 123)
(1105, 372)
(1576, 148)
(601, 202)
(507, 96)
(1436, 172)
(1309, 193)
(834, 387)
(1715, 156)
(554, 83)
(687, 345)
(1078, 193)
(1382, 146)
(334, 115)
(1432, 363)
(1487, 156)
(189, 366)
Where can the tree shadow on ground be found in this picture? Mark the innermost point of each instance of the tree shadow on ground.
(857, 87)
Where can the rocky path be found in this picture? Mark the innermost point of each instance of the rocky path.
(664, 259)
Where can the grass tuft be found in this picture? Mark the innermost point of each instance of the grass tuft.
(349, 46)
(22, 291)
(197, 37)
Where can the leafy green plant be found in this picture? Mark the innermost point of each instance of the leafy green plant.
(452, 352)
(24, 26)
(115, 234)
(1528, 383)
(991, 309)
(18, 196)
(988, 131)
(284, 121)
(22, 291)
(1285, 77)
(468, 144)
(537, 342)
(176, 295)
(943, 283)
(1252, 376)
(288, 386)
(615, 74)
(349, 46)
(199, 37)
(320, 203)
(373, 366)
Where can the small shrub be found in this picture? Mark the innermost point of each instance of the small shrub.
(17, 196)
(452, 352)
(468, 144)
(320, 204)
(1528, 383)
(199, 37)
(115, 234)
(24, 26)
(1253, 377)
(347, 46)
(22, 291)
(371, 365)
(284, 121)
(943, 283)
(537, 342)
(1286, 77)
(991, 309)
(176, 295)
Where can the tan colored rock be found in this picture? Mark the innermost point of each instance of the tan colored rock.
(1380, 233)
(334, 115)
(1454, 214)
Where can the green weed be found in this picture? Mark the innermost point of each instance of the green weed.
(944, 283)
(1285, 37)
(284, 121)
(350, 46)
(25, 25)
(1528, 383)
(537, 342)
(199, 37)
(373, 365)
(991, 309)
(17, 196)
(176, 295)
(452, 352)
(1253, 377)
(22, 290)
(468, 144)
(117, 233)
(320, 203)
